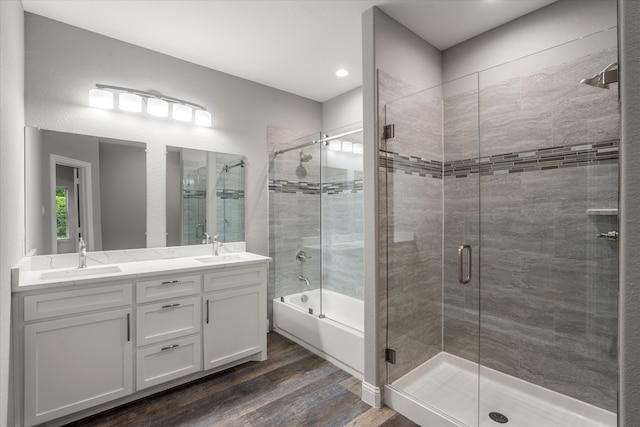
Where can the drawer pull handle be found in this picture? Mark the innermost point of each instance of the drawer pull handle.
(170, 282)
(171, 305)
(128, 327)
(207, 312)
(170, 347)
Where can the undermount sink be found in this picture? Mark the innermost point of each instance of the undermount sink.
(79, 272)
(216, 259)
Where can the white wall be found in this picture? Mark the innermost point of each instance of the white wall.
(629, 314)
(64, 62)
(11, 174)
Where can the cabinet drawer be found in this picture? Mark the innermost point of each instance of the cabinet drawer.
(167, 320)
(168, 361)
(77, 301)
(236, 277)
(169, 287)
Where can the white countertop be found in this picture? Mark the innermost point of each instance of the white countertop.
(35, 273)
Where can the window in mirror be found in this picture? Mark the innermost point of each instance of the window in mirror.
(62, 215)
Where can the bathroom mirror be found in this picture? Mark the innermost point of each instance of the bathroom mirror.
(205, 196)
(80, 185)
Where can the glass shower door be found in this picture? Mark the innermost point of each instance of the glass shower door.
(432, 246)
(295, 190)
(549, 284)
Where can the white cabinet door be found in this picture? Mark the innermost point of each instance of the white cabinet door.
(233, 325)
(76, 363)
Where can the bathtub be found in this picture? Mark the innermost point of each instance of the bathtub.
(337, 337)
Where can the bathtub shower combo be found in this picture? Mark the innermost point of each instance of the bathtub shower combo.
(316, 242)
(499, 200)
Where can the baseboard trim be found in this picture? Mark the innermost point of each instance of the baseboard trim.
(371, 395)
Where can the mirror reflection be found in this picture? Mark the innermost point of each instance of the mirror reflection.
(83, 186)
(205, 196)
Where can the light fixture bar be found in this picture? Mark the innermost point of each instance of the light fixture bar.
(151, 95)
(157, 104)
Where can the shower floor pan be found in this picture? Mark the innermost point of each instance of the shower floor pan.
(443, 392)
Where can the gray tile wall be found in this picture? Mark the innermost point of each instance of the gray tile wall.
(304, 208)
(543, 303)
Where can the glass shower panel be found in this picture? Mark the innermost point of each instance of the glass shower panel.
(548, 189)
(432, 328)
(295, 190)
(194, 199)
(342, 221)
(230, 198)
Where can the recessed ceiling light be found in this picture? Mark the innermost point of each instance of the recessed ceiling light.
(342, 72)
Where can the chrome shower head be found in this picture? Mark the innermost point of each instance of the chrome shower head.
(604, 77)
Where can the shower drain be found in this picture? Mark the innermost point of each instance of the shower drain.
(498, 417)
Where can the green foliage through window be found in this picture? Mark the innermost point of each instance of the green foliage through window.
(62, 215)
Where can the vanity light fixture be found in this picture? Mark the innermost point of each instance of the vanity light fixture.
(100, 98)
(157, 105)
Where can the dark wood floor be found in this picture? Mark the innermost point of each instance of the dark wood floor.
(293, 387)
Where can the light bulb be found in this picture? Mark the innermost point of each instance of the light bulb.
(342, 72)
(203, 118)
(357, 148)
(347, 146)
(182, 112)
(100, 98)
(335, 145)
(130, 102)
(158, 107)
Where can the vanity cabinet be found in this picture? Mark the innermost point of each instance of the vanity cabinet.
(172, 324)
(84, 348)
(78, 361)
(234, 313)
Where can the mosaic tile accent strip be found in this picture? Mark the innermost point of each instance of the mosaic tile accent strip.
(230, 194)
(517, 162)
(283, 186)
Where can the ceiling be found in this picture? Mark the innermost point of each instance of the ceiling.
(295, 46)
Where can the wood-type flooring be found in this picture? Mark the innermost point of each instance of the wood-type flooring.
(294, 387)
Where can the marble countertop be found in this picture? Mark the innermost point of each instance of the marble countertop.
(51, 271)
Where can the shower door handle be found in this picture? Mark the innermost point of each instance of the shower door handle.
(461, 277)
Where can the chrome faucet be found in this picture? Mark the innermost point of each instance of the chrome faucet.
(216, 244)
(306, 281)
(82, 254)
(207, 238)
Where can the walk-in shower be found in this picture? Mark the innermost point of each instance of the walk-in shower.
(316, 242)
(519, 163)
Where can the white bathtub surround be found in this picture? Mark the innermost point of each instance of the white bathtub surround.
(451, 386)
(337, 337)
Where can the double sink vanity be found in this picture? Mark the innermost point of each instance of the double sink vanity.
(134, 322)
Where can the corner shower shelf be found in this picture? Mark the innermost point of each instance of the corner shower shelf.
(602, 211)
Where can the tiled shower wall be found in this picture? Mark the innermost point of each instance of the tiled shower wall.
(295, 222)
(545, 307)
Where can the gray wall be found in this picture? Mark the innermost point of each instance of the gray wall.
(390, 47)
(629, 400)
(64, 62)
(122, 193)
(342, 110)
(11, 174)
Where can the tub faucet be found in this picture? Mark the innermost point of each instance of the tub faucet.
(306, 281)
(216, 244)
(82, 254)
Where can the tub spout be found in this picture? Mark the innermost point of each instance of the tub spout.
(306, 281)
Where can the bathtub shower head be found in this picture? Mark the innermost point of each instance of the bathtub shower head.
(604, 77)
(301, 172)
